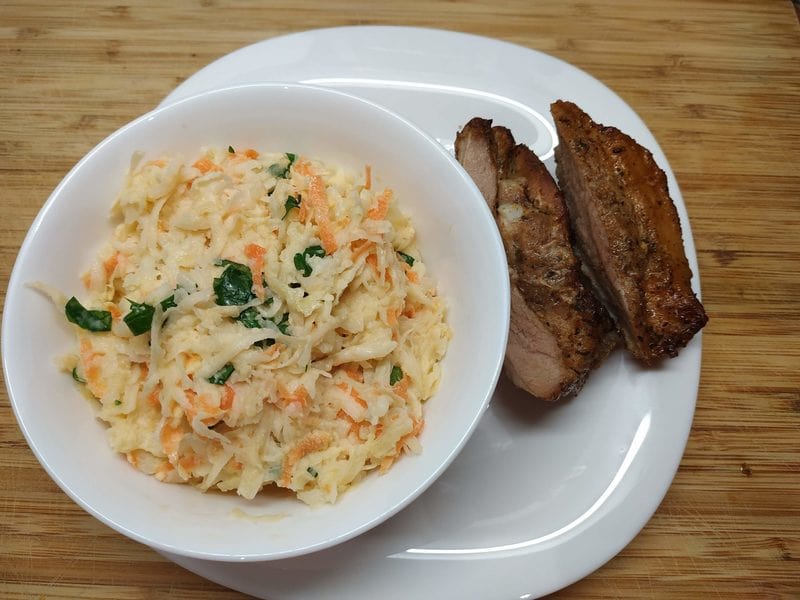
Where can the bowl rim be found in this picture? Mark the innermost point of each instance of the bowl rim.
(15, 283)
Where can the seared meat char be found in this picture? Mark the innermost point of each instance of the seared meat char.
(627, 234)
(479, 158)
(559, 331)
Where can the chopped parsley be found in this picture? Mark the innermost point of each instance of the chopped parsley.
(221, 376)
(313, 472)
(396, 375)
(301, 259)
(251, 318)
(283, 324)
(140, 318)
(280, 171)
(234, 286)
(168, 303)
(407, 257)
(91, 320)
(77, 377)
(291, 202)
(231, 150)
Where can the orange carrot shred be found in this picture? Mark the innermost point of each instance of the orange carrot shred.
(227, 398)
(381, 207)
(256, 255)
(204, 165)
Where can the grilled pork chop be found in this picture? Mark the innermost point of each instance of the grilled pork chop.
(627, 234)
(558, 331)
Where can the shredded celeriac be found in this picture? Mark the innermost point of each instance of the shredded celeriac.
(309, 374)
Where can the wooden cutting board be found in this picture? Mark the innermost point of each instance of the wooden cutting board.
(717, 82)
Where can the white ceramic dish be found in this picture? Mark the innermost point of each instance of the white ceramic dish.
(455, 229)
(542, 494)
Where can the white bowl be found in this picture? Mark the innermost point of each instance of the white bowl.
(457, 238)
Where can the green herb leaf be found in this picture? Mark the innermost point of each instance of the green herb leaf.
(291, 202)
(279, 171)
(231, 150)
(234, 286)
(313, 472)
(251, 318)
(140, 318)
(221, 376)
(283, 324)
(117, 402)
(397, 375)
(91, 320)
(301, 259)
(294, 285)
(168, 303)
(406, 257)
(77, 377)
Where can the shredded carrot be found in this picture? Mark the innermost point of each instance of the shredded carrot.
(381, 207)
(303, 167)
(188, 462)
(110, 265)
(367, 177)
(227, 398)
(256, 255)
(154, 398)
(170, 438)
(355, 426)
(353, 394)
(411, 273)
(359, 247)
(163, 470)
(372, 261)
(133, 458)
(315, 206)
(91, 369)
(204, 165)
(401, 387)
(116, 313)
(299, 395)
(354, 372)
(312, 442)
(156, 163)
(250, 153)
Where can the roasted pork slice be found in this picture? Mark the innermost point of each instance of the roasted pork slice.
(559, 331)
(477, 153)
(627, 233)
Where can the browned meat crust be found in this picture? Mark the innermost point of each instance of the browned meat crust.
(627, 234)
(479, 157)
(558, 331)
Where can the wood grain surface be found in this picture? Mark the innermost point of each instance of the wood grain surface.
(718, 83)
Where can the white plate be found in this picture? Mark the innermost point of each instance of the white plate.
(541, 495)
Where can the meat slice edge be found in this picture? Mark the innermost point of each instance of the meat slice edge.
(558, 331)
(627, 233)
(477, 153)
